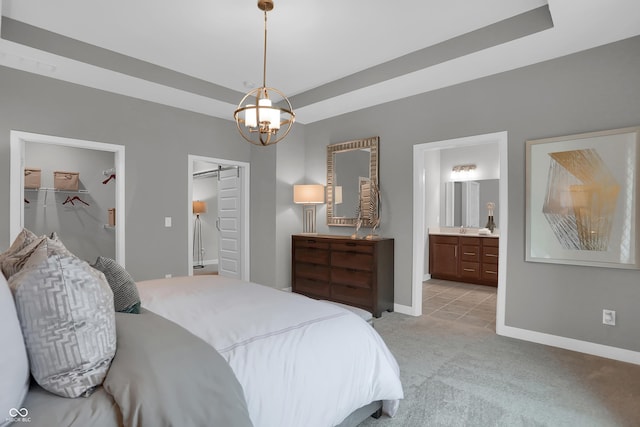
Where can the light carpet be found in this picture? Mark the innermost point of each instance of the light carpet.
(461, 375)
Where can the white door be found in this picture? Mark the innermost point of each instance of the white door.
(229, 225)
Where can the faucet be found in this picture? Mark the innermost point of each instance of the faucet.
(462, 229)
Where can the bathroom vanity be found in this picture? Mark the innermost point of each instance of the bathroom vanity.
(464, 257)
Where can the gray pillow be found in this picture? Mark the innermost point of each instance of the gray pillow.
(125, 292)
(65, 309)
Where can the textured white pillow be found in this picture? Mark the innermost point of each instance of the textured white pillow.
(67, 317)
(14, 364)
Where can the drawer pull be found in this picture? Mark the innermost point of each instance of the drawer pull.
(491, 255)
(469, 253)
(469, 269)
(351, 244)
(491, 272)
(311, 241)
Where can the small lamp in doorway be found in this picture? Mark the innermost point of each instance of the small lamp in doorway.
(199, 207)
(308, 195)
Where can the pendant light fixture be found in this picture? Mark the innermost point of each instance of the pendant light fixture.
(259, 120)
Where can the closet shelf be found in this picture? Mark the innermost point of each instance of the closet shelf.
(56, 190)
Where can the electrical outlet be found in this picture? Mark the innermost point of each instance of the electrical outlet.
(609, 317)
(167, 276)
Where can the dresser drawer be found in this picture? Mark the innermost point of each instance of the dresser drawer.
(490, 255)
(470, 253)
(352, 294)
(470, 270)
(313, 287)
(346, 276)
(310, 242)
(312, 271)
(312, 255)
(354, 260)
(352, 247)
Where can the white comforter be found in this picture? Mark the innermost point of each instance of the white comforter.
(301, 362)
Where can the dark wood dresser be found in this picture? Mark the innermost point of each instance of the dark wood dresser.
(340, 269)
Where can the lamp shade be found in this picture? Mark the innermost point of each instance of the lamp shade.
(308, 193)
(199, 207)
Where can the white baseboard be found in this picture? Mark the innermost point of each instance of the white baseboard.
(289, 289)
(405, 309)
(600, 350)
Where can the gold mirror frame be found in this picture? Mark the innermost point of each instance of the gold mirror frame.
(333, 149)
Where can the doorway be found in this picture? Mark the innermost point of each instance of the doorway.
(218, 209)
(426, 187)
(47, 206)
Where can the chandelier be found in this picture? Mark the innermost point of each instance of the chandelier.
(258, 119)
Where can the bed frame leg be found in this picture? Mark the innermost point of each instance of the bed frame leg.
(377, 414)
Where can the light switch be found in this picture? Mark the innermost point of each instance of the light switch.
(167, 221)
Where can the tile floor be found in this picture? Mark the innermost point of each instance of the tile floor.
(460, 302)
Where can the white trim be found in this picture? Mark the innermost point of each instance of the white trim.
(572, 344)
(244, 168)
(16, 185)
(419, 226)
(404, 309)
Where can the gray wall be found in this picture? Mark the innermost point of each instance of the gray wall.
(157, 140)
(593, 90)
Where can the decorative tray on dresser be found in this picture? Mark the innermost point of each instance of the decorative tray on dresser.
(340, 269)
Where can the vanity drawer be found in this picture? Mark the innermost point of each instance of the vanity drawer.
(352, 260)
(313, 287)
(360, 246)
(491, 241)
(490, 254)
(469, 241)
(351, 294)
(470, 253)
(490, 273)
(470, 270)
(312, 271)
(312, 255)
(347, 276)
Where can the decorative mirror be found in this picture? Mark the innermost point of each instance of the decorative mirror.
(352, 183)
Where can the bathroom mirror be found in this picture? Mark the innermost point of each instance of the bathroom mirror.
(352, 182)
(464, 203)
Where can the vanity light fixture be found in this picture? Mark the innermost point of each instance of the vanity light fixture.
(308, 195)
(258, 119)
(463, 168)
(462, 172)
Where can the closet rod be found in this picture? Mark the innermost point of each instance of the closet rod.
(213, 172)
(55, 190)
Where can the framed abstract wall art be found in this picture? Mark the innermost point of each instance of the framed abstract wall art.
(582, 199)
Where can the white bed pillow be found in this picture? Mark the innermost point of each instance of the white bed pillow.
(65, 308)
(14, 364)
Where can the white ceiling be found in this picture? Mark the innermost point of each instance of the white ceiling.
(310, 43)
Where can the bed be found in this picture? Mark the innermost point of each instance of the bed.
(161, 375)
(84, 345)
(300, 362)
